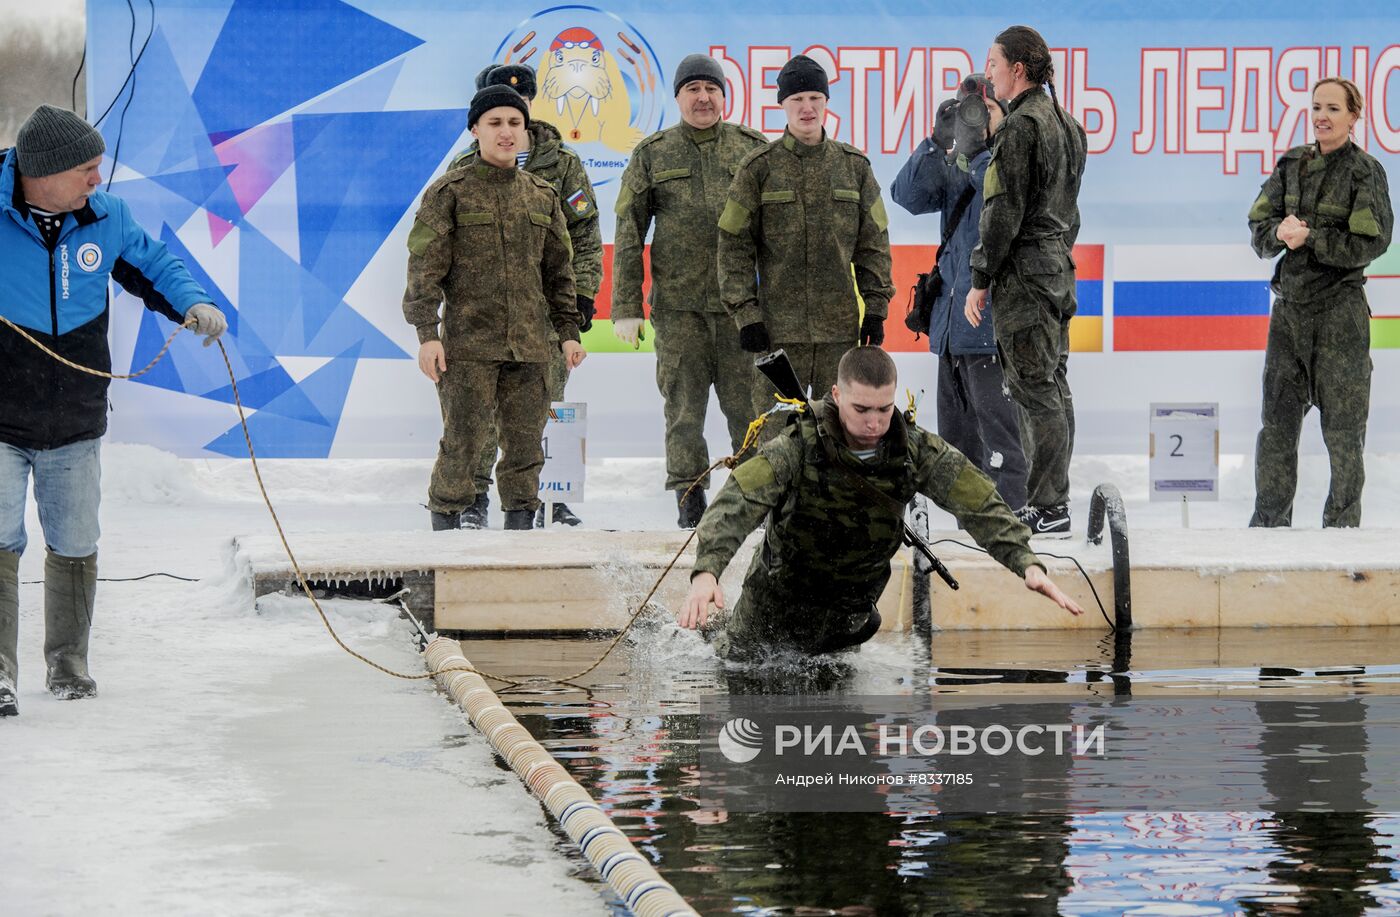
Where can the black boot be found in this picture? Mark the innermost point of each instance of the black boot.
(442, 522)
(474, 516)
(562, 516)
(70, 586)
(519, 520)
(691, 507)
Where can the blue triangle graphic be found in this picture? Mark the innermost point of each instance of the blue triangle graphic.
(278, 436)
(199, 185)
(292, 66)
(275, 294)
(357, 179)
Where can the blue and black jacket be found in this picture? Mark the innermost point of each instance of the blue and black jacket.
(60, 296)
(930, 183)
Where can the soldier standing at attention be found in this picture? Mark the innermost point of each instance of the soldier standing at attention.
(544, 154)
(678, 178)
(491, 293)
(1326, 207)
(832, 488)
(802, 212)
(1030, 219)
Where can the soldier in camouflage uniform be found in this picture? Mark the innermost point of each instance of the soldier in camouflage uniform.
(1030, 219)
(802, 213)
(679, 178)
(825, 557)
(547, 156)
(490, 248)
(1327, 208)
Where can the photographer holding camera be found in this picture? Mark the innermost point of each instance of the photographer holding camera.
(944, 175)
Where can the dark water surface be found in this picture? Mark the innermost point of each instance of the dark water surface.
(630, 739)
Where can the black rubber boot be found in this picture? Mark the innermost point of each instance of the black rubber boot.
(691, 507)
(562, 516)
(70, 587)
(9, 631)
(520, 520)
(442, 522)
(474, 516)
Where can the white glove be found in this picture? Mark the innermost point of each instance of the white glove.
(628, 330)
(206, 320)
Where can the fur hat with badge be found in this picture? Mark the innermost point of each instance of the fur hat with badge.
(520, 77)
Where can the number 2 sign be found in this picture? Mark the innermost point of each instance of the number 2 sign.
(1184, 451)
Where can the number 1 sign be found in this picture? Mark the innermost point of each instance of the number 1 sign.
(1184, 451)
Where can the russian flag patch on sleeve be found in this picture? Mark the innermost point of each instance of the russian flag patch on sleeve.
(578, 201)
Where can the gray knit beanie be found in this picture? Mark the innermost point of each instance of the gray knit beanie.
(698, 67)
(55, 140)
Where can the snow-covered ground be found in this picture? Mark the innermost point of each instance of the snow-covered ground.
(237, 762)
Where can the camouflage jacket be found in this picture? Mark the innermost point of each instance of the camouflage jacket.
(797, 220)
(1344, 198)
(1030, 210)
(553, 161)
(679, 178)
(827, 537)
(492, 245)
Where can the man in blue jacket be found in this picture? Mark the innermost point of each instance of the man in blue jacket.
(976, 414)
(60, 241)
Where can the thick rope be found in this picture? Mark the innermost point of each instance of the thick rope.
(750, 440)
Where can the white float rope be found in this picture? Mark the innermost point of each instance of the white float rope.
(625, 870)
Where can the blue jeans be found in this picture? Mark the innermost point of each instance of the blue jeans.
(67, 487)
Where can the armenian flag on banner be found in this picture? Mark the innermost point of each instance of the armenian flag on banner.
(1086, 328)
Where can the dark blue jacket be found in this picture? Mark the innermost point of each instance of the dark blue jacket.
(59, 296)
(929, 183)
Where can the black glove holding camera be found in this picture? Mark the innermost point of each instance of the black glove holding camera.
(943, 123)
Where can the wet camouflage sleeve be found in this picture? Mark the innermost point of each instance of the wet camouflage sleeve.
(1005, 193)
(1266, 213)
(584, 231)
(429, 260)
(752, 490)
(872, 252)
(738, 249)
(633, 210)
(558, 279)
(945, 476)
(1368, 230)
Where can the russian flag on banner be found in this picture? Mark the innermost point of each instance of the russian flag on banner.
(1190, 297)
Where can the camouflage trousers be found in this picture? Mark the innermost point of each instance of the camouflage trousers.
(475, 395)
(1035, 360)
(1319, 353)
(815, 366)
(556, 377)
(694, 352)
(768, 618)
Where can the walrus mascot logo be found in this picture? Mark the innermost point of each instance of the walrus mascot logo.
(582, 93)
(593, 87)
